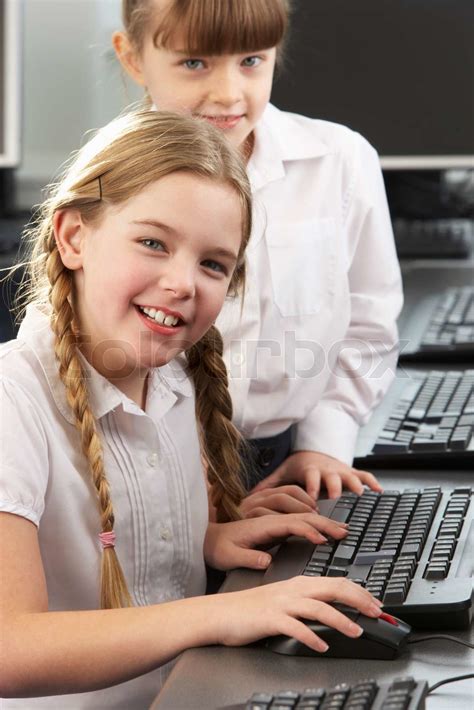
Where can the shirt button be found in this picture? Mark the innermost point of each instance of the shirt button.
(165, 534)
(152, 459)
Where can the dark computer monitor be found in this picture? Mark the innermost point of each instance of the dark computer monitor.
(401, 72)
(11, 220)
(10, 85)
(10, 90)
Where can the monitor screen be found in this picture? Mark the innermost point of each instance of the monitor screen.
(10, 84)
(401, 72)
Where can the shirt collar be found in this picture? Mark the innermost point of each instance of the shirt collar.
(281, 137)
(35, 331)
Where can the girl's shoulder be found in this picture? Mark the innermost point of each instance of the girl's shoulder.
(17, 361)
(21, 373)
(313, 135)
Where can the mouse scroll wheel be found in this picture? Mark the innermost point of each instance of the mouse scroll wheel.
(390, 619)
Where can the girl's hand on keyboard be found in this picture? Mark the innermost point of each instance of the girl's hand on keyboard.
(271, 501)
(231, 545)
(312, 470)
(244, 617)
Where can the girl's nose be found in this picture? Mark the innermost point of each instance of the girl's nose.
(225, 88)
(181, 281)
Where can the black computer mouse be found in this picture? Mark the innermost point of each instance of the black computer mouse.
(383, 638)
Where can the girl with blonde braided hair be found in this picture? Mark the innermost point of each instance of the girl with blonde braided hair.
(111, 395)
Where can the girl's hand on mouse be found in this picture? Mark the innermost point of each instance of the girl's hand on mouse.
(231, 545)
(282, 499)
(312, 469)
(244, 617)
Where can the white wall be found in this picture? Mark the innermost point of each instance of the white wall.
(72, 83)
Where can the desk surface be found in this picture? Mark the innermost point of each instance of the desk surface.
(219, 677)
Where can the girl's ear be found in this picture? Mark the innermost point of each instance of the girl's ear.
(69, 232)
(128, 57)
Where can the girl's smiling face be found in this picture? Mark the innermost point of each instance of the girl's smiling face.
(151, 278)
(230, 90)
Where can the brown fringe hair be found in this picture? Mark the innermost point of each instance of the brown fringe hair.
(123, 158)
(210, 26)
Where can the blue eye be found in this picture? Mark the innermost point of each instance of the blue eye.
(251, 62)
(193, 64)
(214, 266)
(153, 244)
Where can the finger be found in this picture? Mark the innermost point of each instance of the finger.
(316, 610)
(286, 504)
(369, 480)
(333, 528)
(298, 493)
(320, 522)
(325, 526)
(312, 482)
(346, 592)
(302, 525)
(275, 528)
(353, 482)
(333, 484)
(259, 511)
(253, 559)
(296, 629)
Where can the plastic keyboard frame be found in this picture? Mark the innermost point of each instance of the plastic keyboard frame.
(454, 607)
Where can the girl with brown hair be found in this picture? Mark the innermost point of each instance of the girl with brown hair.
(314, 348)
(104, 517)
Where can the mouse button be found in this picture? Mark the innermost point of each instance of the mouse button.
(374, 629)
(389, 618)
(384, 633)
(404, 628)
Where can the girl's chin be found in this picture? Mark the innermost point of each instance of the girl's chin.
(159, 359)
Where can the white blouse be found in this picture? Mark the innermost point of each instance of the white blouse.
(158, 490)
(315, 344)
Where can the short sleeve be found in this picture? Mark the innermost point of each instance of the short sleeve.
(24, 453)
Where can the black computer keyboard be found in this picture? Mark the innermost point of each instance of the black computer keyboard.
(433, 415)
(433, 238)
(399, 694)
(452, 324)
(412, 549)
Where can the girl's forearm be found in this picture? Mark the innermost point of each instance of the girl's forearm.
(53, 653)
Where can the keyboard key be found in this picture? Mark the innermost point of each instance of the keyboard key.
(335, 571)
(384, 446)
(341, 515)
(461, 438)
(428, 445)
(394, 596)
(259, 701)
(343, 554)
(436, 572)
(367, 558)
(407, 683)
(284, 695)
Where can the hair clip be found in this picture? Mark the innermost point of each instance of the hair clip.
(100, 188)
(107, 539)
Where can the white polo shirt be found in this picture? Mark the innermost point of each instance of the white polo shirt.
(158, 490)
(323, 278)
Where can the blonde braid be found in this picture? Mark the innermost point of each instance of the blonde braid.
(222, 442)
(113, 587)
